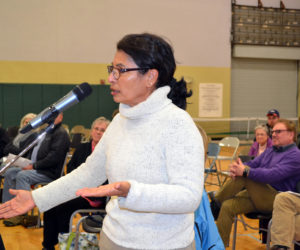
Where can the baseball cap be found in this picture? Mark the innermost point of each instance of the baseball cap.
(273, 112)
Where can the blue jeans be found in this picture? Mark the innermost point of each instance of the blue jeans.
(17, 178)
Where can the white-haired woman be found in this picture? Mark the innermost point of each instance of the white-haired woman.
(262, 142)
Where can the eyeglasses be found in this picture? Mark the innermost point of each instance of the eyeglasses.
(278, 131)
(118, 71)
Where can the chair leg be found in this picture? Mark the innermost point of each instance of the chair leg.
(39, 224)
(234, 232)
(269, 235)
(243, 221)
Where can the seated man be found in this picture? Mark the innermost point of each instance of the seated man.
(273, 117)
(285, 221)
(56, 220)
(254, 185)
(48, 157)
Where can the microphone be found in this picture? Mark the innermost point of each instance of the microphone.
(47, 115)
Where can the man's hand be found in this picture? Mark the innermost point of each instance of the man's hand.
(114, 189)
(28, 167)
(19, 205)
(236, 168)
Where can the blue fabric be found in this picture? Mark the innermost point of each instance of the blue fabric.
(206, 232)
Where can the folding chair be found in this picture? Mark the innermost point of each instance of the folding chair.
(88, 213)
(229, 145)
(213, 151)
(255, 216)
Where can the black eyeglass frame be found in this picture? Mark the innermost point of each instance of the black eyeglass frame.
(278, 131)
(110, 69)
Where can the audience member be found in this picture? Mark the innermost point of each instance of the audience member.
(47, 158)
(4, 139)
(56, 220)
(21, 140)
(151, 153)
(273, 117)
(254, 185)
(285, 221)
(12, 132)
(262, 141)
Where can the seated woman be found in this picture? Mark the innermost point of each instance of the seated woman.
(21, 140)
(56, 220)
(262, 142)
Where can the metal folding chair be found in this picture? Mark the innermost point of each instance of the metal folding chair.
(86, 214)
(230, 145)
(213, 151)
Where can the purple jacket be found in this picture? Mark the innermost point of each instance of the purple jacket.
(255, 146)
(279, 168)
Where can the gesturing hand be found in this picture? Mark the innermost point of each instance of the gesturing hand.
(19, 205)
(113, 189)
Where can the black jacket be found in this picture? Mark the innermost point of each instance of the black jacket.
(4, 139)
(52, 152)
(82, 151)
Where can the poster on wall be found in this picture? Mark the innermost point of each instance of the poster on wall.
(210, 99)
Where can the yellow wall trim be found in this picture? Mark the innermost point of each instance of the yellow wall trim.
(75, 73)
(51, 72)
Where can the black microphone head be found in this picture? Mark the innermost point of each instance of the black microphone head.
(83, 90)
(26, 129)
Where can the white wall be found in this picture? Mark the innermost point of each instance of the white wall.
(87, 30)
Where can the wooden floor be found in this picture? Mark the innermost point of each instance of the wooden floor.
(18, 237)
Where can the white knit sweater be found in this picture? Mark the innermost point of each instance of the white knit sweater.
(158, 149)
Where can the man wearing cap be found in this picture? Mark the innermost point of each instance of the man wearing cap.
(273, 117)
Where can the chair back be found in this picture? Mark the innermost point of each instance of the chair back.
(77, 129)
(64, 167)
(204, 138)
(230, 142)
(213, 149)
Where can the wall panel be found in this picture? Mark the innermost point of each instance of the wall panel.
(19, 99)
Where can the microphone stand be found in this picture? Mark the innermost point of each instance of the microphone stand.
(41, 135)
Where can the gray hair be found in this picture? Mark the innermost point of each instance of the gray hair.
(100, 119)
(261, 126)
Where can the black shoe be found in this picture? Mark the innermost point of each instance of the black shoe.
(51, 248)
(215, 205)
(279, 247)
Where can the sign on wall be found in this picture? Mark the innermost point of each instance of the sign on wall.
(210, 99)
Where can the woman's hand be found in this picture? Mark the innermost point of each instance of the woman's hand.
(114, 189)
(19, 205)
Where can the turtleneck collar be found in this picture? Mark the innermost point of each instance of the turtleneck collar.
(155, 102)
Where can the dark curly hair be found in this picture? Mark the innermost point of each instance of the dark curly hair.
(153, 52)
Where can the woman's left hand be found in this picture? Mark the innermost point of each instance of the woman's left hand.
(114, 189)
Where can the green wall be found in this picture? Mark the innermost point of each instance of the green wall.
(16, 100)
